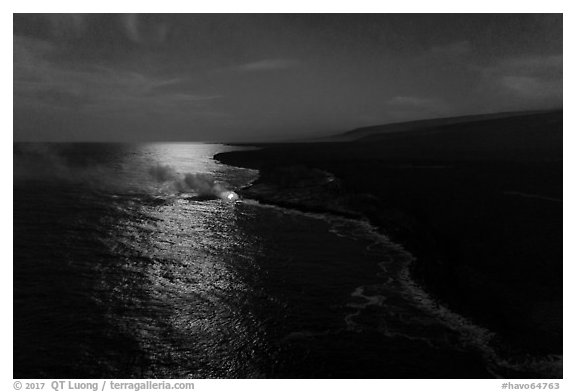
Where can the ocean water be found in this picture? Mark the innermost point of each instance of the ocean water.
(130, 261)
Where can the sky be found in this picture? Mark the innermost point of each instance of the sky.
(272, 77)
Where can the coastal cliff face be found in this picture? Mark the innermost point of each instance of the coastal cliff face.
(486, 231)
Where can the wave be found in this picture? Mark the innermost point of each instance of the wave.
(409, 312)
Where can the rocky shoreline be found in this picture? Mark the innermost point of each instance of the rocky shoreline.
(528, 318)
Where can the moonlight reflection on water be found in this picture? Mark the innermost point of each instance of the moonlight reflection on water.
(129, 277)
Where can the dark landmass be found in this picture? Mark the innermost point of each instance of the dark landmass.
(478, 202)
(424, 126)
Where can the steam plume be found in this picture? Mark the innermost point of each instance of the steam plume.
(200, 183)
(46, 163)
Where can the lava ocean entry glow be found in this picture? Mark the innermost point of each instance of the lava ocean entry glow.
(229, 196)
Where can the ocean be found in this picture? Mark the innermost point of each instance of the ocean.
(138, 261)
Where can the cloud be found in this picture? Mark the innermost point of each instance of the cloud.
(131, 27)
(269, 65)
(411, 107)
(531, 63)
(532, 87)
(529, 77)
(145, 29)
(28, 54)
(67, 25)
(452, 50)
(427, 104)
(40, 83)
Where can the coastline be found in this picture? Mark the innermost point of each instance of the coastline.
(483, 249)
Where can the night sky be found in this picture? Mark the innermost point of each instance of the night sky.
(199, 77)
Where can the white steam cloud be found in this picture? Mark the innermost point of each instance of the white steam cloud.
(202, 184)
(38, 162)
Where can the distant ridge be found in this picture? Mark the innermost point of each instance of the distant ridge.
(378, 132)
